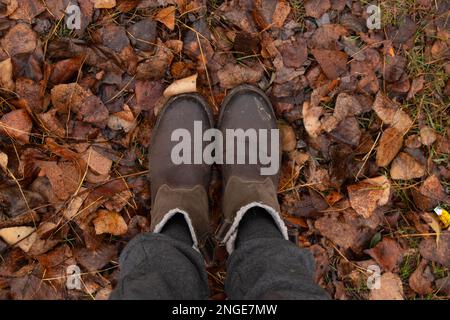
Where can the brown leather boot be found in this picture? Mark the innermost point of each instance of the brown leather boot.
(181, 187)
(252, 183)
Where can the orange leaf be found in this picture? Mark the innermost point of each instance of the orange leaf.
(167, 17)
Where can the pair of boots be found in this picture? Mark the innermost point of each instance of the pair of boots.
(183, 188)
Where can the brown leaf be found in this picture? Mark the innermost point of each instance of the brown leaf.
(167, 17)
(311, 118)
(390, 144)
(19, 39)
(316, 8)
(416, 86)
(65, 70)
(347, 131)
(122, 120)
(31, 92)
(127, 5)
(143, 34)
(239, 14)
(156, 65)
(288, 139)
(94, 260)
(427, 136)
(97, 162)
(147, 94)
(281, 12)
(369, 194)
(437, 252)
(332, 62)
(6, 75)
(405, 167)
(109, 222)
(52, 123)
(390, 114)
(88, 107)
(327, 36)
(430, 193)
(114, 37)
(246, 43)
(16, 124)
(64, 177)
(348, 229)
(104, 4)
(388, 254)
(57, 7)
(232, 75)
(391, 288)
(443, 285)
(27, 10)
(30, 287)
(421, 280)
(294, 53)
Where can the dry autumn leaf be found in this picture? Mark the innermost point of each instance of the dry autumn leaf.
(167, 17)
(104, 4)
(16, 124)
(6, 75)
(369, 194)
(109, 222)
(391, 288)
(405, 167)
(390, 144)
(185, 85)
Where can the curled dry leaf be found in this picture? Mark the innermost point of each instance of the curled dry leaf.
(427, 136)
(122, 120)
(167, 17)
(185, 85)
(391, 288)
(416, 86)
(369, 194)
(110, 222)
(390, 114)
(311, 118)
(16, 124)
(88, 107)
(232, 75)
(22, 237)
(6, 75)
(65, 70)
(3, 161)
(405, 167)
(288, 138)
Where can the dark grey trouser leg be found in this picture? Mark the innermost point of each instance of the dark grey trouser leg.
(266, 266)
(157, 266)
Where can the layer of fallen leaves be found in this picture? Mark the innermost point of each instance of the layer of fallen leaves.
(365, 135)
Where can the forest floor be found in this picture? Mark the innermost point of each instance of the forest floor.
(363, 114)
